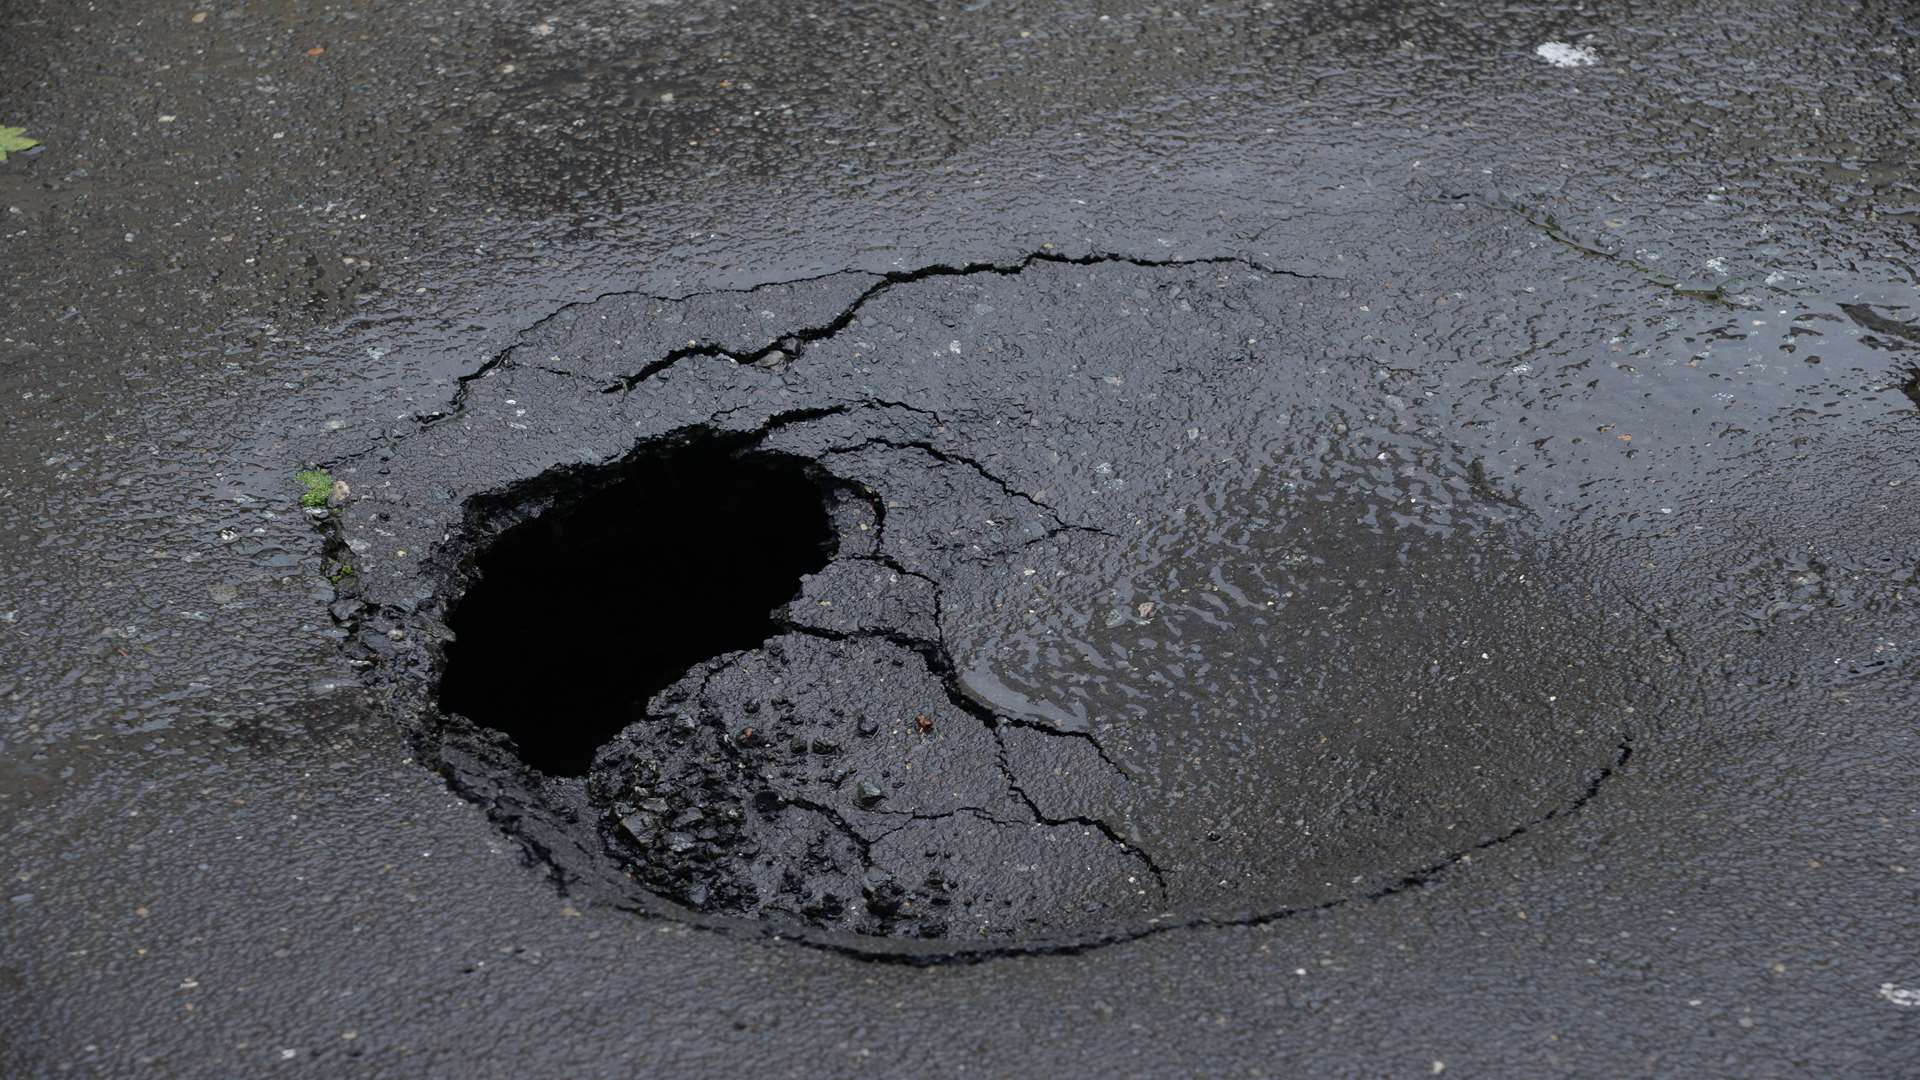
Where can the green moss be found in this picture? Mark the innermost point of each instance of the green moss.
(340, 572)
(318, 485)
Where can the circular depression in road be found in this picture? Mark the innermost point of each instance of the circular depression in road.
(1206, 620)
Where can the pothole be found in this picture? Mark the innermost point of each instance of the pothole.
(908, 673)
(579, 615)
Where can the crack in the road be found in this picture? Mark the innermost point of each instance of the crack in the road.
(793, 343)
(836, 818)
(1551, 228)
(1113, 836)
(950, 458)
(1409, 882)
(940, 665)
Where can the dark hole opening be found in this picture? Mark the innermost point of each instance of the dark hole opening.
(579, 617)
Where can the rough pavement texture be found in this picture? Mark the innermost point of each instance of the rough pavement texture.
(1403, 540)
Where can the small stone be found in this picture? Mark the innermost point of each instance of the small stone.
(337, 497)
(868, 729)
(222, 592)
(869, 795)
(680, 843)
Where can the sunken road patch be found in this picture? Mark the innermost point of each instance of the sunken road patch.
(891, 638)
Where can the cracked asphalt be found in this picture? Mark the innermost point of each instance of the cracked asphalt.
(1376, 540)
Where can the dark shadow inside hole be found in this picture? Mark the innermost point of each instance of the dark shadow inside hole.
(577, 618)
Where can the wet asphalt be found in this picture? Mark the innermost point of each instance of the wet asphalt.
(1373, 540)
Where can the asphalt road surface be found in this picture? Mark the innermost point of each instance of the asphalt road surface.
(974, 539)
